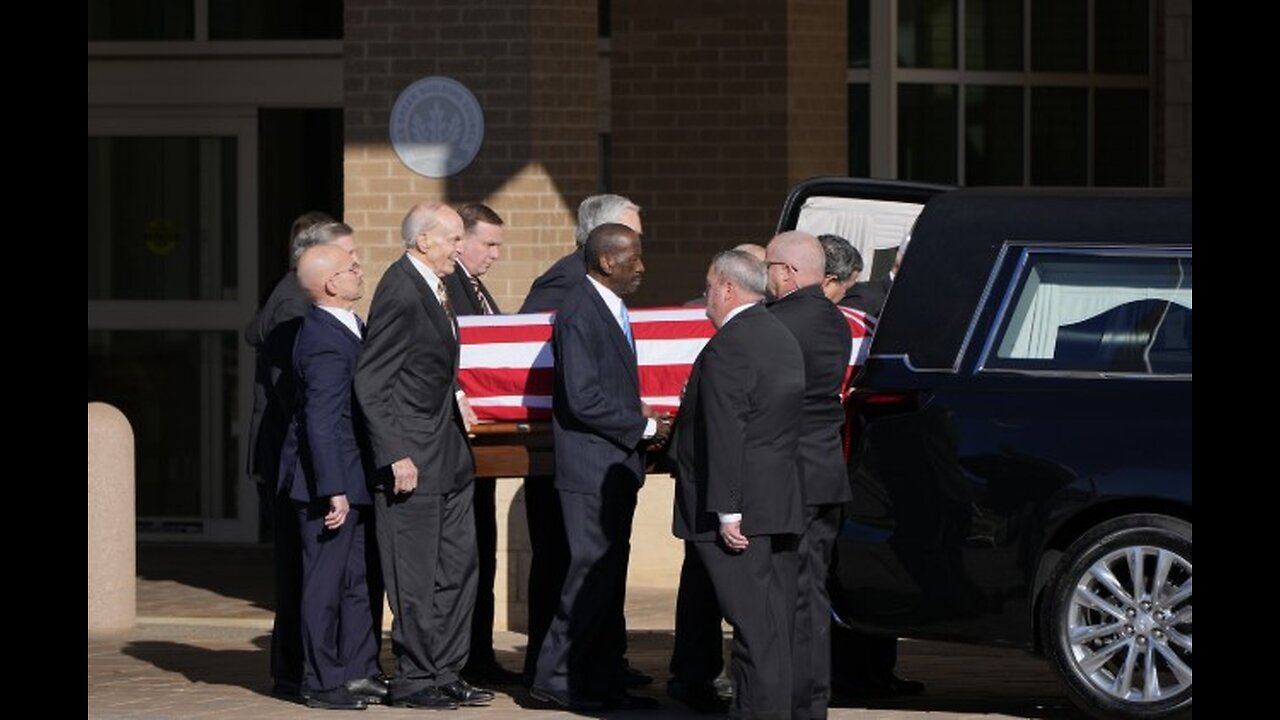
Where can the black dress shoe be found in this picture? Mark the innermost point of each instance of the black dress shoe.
(551, 698)
(339, 698)
(467, 694)
(627, 701)
(632, 677)
(373, 689)
(702, 697)
(430, 698)
(489, 671)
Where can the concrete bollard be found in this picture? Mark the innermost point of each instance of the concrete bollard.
(113, 566)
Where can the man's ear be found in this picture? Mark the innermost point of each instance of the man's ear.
(606, 264)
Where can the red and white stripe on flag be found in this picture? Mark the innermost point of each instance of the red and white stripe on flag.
(507, 367)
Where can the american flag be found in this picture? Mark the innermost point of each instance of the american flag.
(507, 366)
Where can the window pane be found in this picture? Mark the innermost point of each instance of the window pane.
(275, 19)
(927, 133)
(859, 33)
(1121, 138)
(178, 389)
(860, 130)
(927, 34)
(993, 135)
(993, 34)
(1120, 37)
(1059, 36)
(141, 20)
(162, 218)
(1101, 314)
(1059, 136)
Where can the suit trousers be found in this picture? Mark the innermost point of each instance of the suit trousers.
(582, 655)
(550, 561)
(427, 543)
(697, 657)
(753, 587)
(337, 625)
(811, 649)
(486, 512)
(286, 628)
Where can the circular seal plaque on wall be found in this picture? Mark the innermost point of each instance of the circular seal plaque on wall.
(437, 126)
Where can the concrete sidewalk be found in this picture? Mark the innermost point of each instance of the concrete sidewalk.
(200, 651)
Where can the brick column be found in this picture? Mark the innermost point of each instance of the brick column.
(532, 66)
(717, 109)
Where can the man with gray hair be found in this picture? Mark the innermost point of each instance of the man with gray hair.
(406, 383)
(796, 265)
(548, 290)
(843, 264)
(738, 503)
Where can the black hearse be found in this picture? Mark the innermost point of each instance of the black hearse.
(1021, 451)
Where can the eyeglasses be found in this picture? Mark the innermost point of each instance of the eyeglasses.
(770, 263)
(354, 270)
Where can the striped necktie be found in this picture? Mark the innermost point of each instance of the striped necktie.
(443, 296)
(485, 307)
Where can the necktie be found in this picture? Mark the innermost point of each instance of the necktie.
(359, 325)
(443, 296)
(626, 328)
(485, 307)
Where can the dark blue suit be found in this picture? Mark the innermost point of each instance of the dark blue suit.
(321, 458)
(598, 428)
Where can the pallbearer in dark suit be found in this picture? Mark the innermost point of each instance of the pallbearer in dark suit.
(541, 501)
(796, 266)
(271, 334)
(481, 246)
(600, 428)
(322, 472)
(406, 383)
(737, 499)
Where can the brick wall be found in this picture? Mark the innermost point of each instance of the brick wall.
(532, 66)
(710, 127)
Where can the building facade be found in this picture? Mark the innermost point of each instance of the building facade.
(212, 123)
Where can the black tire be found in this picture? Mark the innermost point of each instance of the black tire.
(1144, 636)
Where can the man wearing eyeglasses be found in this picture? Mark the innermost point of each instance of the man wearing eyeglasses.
(796, 267)
(322, 470)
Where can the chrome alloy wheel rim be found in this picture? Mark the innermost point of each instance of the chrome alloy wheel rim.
(1128, 625)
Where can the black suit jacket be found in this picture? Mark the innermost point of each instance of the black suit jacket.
(825, 341)
(868, 296)
(737, 435)
(321, 453)
(548, 291)
(271, 333)
(463, 296)
(406, 379)
(596, 419)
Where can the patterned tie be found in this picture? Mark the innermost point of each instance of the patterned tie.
(443, 296)
(626, 328)
(485, 307)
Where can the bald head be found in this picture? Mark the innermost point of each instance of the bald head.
(752, 249)
(794, 260)
(331, 276)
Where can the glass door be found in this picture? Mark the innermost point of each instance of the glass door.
(172, 280)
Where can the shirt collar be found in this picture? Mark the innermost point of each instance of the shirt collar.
(345, 316)
(610, 298)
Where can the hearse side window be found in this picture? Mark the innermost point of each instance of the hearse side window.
(1100, 313)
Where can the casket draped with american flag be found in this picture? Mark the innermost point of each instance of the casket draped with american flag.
(507, 365)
